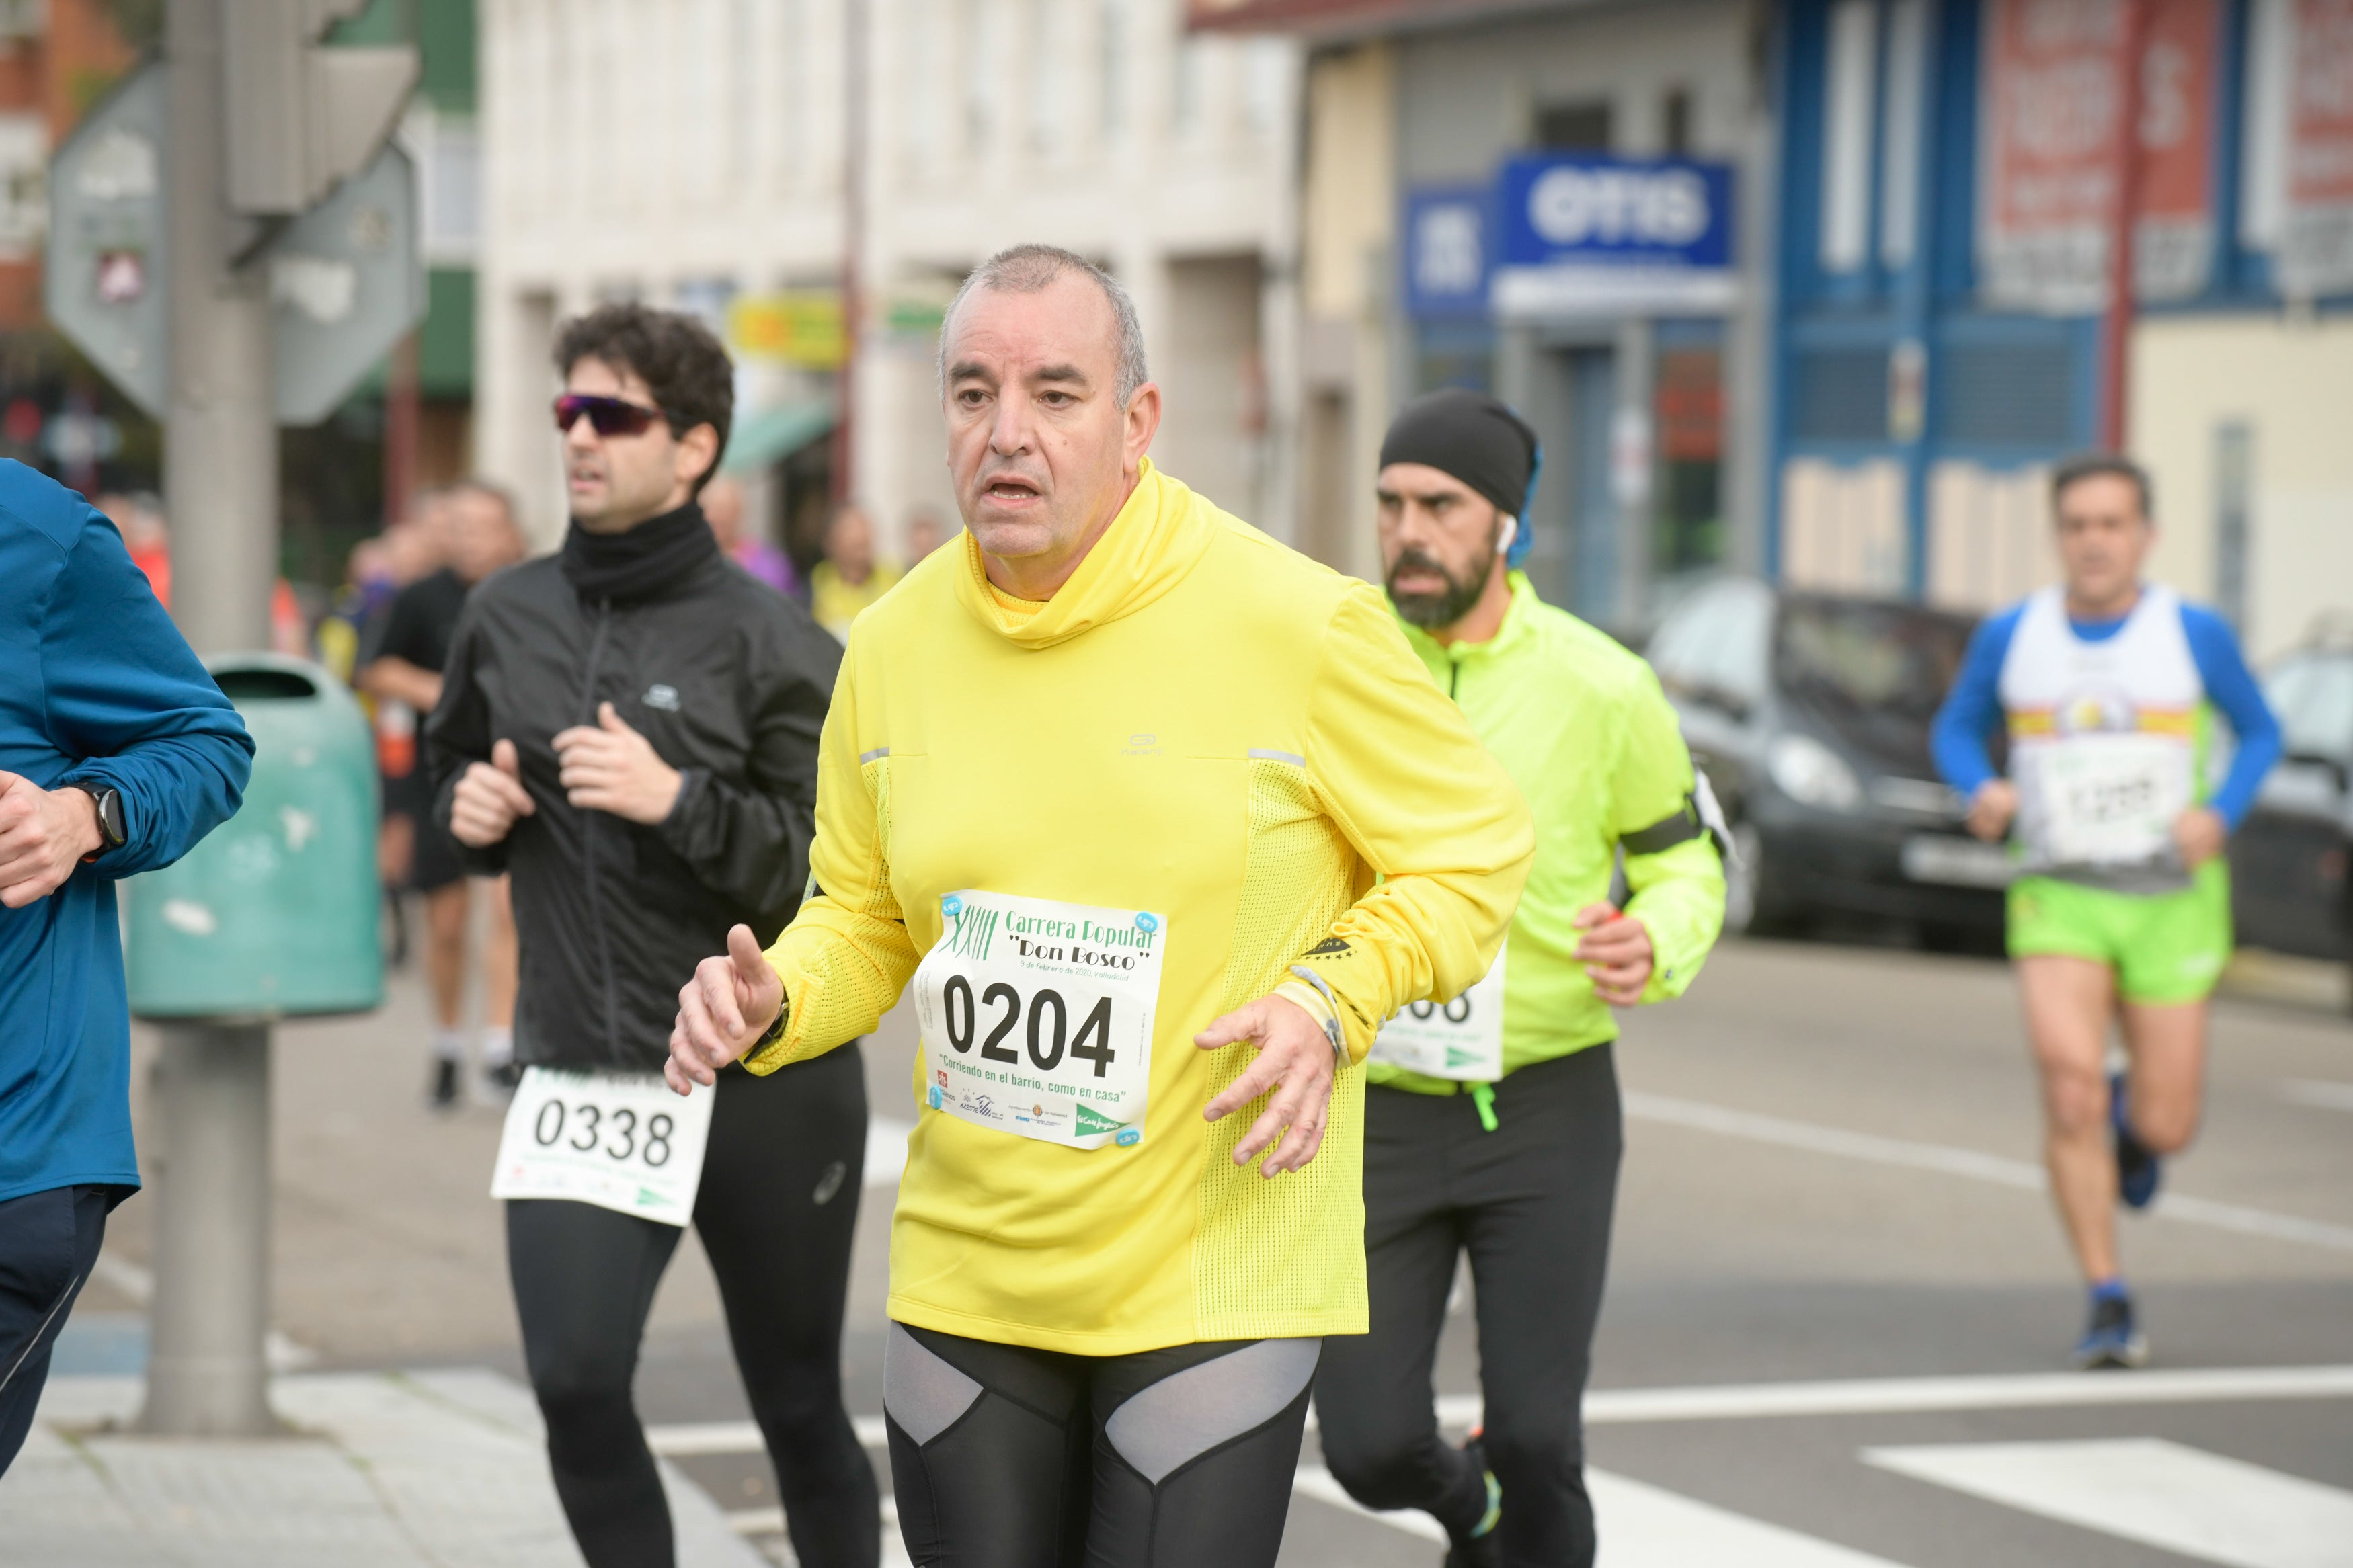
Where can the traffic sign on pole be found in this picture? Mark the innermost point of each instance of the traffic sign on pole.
(346, 284)
(103, 282)
(346, 278)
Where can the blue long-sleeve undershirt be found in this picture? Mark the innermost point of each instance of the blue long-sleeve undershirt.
(1973, 711)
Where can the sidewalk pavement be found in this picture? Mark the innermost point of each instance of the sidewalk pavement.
(429, 1469)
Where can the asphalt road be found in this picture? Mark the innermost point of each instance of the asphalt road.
(1837, 1319)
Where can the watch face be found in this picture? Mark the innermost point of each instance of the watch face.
(110, 817)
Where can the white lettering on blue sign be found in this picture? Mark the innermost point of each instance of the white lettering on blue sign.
(1571, 205)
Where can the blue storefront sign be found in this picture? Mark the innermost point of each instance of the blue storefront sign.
(1445, 251)
(1585, 234)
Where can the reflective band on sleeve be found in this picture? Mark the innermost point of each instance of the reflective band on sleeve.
(1666, 833)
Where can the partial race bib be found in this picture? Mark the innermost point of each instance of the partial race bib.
(1037, 1017)
(1460, 1039)
(624, 1141)
(2111, 800)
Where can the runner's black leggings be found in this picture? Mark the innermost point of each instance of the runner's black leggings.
(1531, 1204)
(776, 1209)
(1005, 1457)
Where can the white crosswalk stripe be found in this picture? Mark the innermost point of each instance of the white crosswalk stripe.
(2160, 1494)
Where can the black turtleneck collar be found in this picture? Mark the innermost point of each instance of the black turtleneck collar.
(647, 562)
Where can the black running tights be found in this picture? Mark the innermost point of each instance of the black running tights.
(1530, 1203)
(1005, 1457)
(776, 1210)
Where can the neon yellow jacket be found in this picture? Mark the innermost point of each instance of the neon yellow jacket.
(1583, 729)
(1201, 723)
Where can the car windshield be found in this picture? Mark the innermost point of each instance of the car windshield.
(1888, 660)
(2312, 694)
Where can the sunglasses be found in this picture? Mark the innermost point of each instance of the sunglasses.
(607, 415)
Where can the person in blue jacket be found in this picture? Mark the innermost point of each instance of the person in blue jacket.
(117, 753)
(2109, 687)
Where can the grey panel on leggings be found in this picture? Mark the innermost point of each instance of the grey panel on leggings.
(924, 1395)
(1185, 1414)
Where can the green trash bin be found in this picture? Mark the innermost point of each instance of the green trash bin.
(279, 911)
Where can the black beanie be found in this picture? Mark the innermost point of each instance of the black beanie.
(1470, 436)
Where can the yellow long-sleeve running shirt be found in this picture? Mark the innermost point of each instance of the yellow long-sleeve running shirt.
(1201, 724)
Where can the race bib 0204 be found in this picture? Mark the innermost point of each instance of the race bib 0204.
(624, 1141)
(1036, 1018)
(1462, 1039)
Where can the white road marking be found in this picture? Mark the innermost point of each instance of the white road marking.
(1946, 1160)
(1767, 1401)
(2161, 1494)
(1640, 1526)
(2318, 1091)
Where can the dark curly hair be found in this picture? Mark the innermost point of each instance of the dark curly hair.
(690, 377)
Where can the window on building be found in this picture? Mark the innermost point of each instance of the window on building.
(1111, 41)
(979, 76)
(1579, 127)
(1899, 158)
(1849, 95)
(1675, 122)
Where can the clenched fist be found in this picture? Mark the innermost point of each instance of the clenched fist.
(489, 798)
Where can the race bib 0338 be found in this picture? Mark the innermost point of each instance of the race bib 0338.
(624, 1141)
(1462, 1039)
(1037, 1017)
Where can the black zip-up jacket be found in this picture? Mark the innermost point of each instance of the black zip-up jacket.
(729, 680)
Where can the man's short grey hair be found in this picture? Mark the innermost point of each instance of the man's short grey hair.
(1027, 270)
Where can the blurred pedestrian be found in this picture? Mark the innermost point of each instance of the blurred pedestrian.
(923, 533)
(750, 548)
(849, 578)
(2107, 684)
(1491, 1123)
(412, 550)
(631, 727)
(138, 516)
(478, 537)
(117, 753)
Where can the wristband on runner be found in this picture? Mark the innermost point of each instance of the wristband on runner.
(1332, 1018)
(774, 1032)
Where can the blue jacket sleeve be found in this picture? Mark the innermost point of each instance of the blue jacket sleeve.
(128, 701)
(2231, 687)
(1973, 709)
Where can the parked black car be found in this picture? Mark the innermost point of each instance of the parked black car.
(1811, 713)
(2289, 891)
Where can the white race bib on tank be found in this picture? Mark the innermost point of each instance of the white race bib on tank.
(2112, 799)
(1037, 1017)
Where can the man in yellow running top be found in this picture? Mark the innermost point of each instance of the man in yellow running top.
(1161, 820)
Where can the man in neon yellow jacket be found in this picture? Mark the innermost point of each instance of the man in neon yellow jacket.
(1493, 1124)
(1158, 820)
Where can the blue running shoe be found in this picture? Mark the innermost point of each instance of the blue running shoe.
(2137, 1171)
(2112, 1342)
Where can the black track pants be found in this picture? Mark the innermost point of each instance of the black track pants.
(1531, 1203)
(776, 1210)
(1005, 1457)
(48, 1242)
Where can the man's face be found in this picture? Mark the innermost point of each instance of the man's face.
(479, 537)
(1039, 452)
(616, 482)
(1438, 543)
(2104, 537)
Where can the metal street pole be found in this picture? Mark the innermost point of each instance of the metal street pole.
(853, 237)
(205, 1374)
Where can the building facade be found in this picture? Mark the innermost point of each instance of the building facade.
(1948, 191)
(1568, 204)
(693, 155)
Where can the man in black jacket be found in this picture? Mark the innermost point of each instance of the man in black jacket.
(629, 729)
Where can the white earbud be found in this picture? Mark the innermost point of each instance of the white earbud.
(1511, 531)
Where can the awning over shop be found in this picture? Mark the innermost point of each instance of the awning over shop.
(772, 435)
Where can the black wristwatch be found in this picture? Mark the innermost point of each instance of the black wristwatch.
(112, 833)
